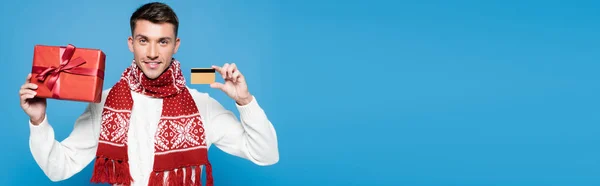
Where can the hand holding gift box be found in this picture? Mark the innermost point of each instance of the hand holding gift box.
(68, 73)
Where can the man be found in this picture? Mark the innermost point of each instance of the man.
(151, 129)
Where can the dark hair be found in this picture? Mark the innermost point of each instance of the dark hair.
(155, 12)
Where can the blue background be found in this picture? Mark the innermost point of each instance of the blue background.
(360, 92)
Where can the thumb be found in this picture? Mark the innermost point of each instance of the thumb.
(217, 85)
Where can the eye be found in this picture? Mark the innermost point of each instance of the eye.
(142, 41)
(164, 42)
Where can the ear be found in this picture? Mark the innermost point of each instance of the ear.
(177, 41)
(130, 43)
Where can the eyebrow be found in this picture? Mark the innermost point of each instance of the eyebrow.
(140, 35)
(146, 37)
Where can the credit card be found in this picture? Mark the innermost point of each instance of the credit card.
(202, 76)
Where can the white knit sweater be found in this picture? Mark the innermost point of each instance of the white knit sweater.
(252, 138)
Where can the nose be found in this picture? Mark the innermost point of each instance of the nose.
(152, 52)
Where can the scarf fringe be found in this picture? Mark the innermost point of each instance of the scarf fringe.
(100, 175)
(178, 177)
(111, 171)
(156, 179)
(174, 177)
(209, 177)
(188, 176)
(198, 174)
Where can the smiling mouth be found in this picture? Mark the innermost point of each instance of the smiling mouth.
(152, 64)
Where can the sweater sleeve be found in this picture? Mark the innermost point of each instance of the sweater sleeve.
(61, 160)
(252, 137)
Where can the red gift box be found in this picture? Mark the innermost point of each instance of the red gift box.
(68, 73)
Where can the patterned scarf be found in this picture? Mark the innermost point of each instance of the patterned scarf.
(179, 142)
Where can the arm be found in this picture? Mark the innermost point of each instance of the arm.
(61, 160)
(252, 138)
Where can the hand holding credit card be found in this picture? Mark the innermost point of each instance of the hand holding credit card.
(234, 84)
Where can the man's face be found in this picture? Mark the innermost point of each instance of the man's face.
(153, 46)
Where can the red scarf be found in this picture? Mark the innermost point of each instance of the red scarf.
(179, 140)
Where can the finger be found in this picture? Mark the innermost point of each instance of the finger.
(27, 91)
(230, 70)
(236, 75)
(25, 97)
(218, 69)
(22, 99)
(233, 67)
(217, 85)
(225, 70)
(221, 70)
(29, 86)
(28, 78)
